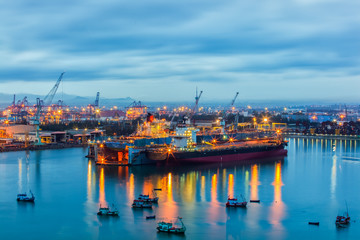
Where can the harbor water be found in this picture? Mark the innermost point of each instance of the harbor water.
(315, 182)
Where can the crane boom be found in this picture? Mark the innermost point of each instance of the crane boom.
(233, 101)
(197, 98)
(50, 96)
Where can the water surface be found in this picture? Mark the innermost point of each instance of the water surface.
(311, 184)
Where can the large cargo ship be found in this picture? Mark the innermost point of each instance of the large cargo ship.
(237, 151)
(187, 145)
(184, 149)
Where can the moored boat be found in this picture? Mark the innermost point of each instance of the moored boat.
(314, 223)
(343, 220)
(233, 202)
(23, 197)
(147, 198)
(176, 226)
(141, 204)
(105, 211)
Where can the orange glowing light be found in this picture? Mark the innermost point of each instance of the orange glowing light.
(231, 185)
(214, 188)
(254, 182)
(102, 187)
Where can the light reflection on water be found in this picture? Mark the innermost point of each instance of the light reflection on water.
(312, 183)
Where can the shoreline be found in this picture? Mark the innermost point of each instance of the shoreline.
(42, 147)
(321, 136)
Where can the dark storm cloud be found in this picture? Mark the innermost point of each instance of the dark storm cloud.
(183, 42)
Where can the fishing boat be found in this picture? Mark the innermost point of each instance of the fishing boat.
(314, 223)
(147, 198)
(176, 226)
(105, 211)
(343, 220)
(23, 197)
(233, 202)
(151, 217)
(141, 204)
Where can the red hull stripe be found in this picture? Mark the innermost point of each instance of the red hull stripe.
(236, 157)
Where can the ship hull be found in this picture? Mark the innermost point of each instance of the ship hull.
(235, 157)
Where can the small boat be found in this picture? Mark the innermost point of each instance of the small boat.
(141, 204)
(255, 201)
(151, 217)
(147, 198)
(23, 197)
(157, 189)
(343, 220)
(314, 223)
(176, 226)
(105, 211)
(233, 202)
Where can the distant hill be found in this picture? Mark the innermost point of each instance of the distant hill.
(69, 100)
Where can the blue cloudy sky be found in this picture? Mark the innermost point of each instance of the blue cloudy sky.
(154, 50)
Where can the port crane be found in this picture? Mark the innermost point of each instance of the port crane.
(19, 109)
(236, 121)
(37, 121)
(225, 113)
(39, 104)
(233, 101)
(197, 98)
(50, 96)
(95, 106)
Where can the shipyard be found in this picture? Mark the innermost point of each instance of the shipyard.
(203, 120)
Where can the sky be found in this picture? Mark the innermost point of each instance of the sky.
(161, 50)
